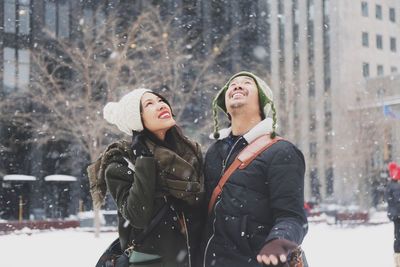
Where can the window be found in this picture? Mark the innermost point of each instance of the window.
(310, 4)
(295, 30)
(63, 20)
(9, 79)
(365, 68)
(57, 18)
(326, 7)
(378, 11)
(23, 68)
(329, 181)
(393, 46)
(296, 17)
(313, 150)
(379, 70)
(24, 17)
(392, 14)
(310, 37)
(393, 69)
(326, 46)
(315, 183)
(364, 9)
(365, 39)
(380, 92)
(313, 122)
(379, 43)
(311, 87)
(281, 20)
(328, 120)
(16, 68)
(88, 16)
(16, 16)
(9, 16)
(100, 18)
(50, 16)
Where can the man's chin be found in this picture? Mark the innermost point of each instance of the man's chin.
(237, 104)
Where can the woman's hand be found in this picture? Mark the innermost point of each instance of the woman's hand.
(138, 146)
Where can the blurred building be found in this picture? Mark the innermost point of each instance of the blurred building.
(376, 124)
(21, 28)
(367, 39)
(322, 54)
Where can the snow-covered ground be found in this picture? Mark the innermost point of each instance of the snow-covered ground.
(325, 246)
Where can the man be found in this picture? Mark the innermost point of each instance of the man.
(258, 217)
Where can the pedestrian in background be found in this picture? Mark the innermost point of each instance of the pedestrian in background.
(393, 200)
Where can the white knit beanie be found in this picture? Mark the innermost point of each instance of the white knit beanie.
(125, 113)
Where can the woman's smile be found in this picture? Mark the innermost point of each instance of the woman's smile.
(164, 115)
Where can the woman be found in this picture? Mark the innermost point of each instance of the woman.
(155, 180)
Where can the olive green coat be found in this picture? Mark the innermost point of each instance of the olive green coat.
(139, 190)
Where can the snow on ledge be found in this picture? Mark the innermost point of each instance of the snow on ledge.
(60, 177)
(18, 177)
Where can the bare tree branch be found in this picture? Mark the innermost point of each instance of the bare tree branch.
(72, 79)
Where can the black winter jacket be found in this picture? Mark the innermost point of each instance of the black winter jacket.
(393, 199)
(262, 202)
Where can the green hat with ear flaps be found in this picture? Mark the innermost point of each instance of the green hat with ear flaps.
(264, 94)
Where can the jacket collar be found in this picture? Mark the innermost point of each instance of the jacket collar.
(263, 127)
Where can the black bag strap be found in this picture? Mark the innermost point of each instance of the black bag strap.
(114, 254)
(110, 254)
(115, 247)
(156, 219)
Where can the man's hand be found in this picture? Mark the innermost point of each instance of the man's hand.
(275, 251)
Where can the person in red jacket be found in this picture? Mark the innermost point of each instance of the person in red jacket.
(393, 200)
(394, 170)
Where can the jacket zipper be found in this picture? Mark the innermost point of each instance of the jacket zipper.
(187, 239)
(212, 236)
(216, 204)
(229, 155)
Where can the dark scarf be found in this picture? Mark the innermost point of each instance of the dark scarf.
(179, 164)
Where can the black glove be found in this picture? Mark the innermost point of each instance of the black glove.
(114, 155)
(276, 251)
(138, 145)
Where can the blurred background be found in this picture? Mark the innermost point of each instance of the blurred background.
(332, 65)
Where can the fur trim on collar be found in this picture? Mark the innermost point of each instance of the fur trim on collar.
(263, 127)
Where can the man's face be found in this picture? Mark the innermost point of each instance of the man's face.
(242, 91)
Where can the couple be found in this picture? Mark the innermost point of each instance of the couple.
(162, 188)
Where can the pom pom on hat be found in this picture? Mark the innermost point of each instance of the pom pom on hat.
(110, 112)
(125, 113)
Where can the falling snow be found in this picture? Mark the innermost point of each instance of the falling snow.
(325, 246)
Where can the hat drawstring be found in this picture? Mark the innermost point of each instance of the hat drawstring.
(215, 117)
(273, 134)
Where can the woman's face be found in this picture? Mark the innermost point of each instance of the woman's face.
(156, 115)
